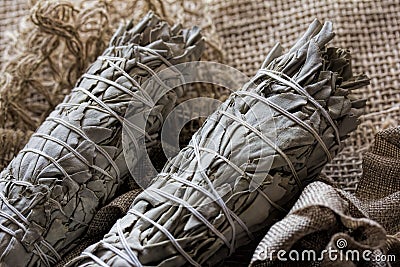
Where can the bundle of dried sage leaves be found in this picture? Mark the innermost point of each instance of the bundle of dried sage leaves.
(246, 165)
(74, 163)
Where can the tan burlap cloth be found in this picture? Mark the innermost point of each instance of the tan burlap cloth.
(365, 224)
(42, 62)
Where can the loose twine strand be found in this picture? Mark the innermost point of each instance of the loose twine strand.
(212, 193)
(46, 52)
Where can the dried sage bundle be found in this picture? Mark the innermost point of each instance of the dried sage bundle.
(74, 163)
(246, 165)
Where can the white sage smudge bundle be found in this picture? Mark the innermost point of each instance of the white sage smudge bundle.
(74, 163)
(206, 202)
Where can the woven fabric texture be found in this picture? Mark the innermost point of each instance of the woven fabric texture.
(11, 13)
(325, 217)
(370, 29)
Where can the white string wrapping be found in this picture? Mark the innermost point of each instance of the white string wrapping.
(211, 191)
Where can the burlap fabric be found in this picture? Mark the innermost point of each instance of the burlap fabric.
(326, 217)
(370, 29)
(244, 31)
(11, 12)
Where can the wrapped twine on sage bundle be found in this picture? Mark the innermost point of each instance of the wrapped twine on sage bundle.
(245, 166)
(74, 163)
